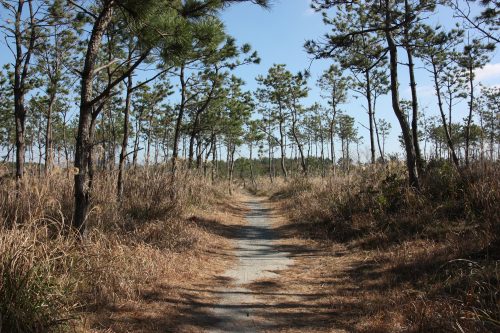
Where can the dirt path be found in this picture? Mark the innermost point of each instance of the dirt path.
(259, 257)
(278, 283)
(260, 276)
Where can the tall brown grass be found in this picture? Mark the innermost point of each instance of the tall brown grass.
(49, 279)
(441, 243)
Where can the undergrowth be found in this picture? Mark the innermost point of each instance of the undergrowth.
(441, 243)
(50, 280)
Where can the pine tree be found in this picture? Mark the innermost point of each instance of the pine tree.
(334, 87)
(382, 20)
(435, 51)
(474, 56)
(7, 130)
(153, 22)
(282, 91)
(56, 57)
(22, 32)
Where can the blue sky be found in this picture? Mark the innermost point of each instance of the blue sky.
(279, 34)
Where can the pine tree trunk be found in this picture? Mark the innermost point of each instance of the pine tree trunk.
(22, 61)
(192, 139)
(252, 177)
(443, 118)
(148, 145)
(178, 124)
(378, 143)
(299, 145)
(270, 150)
(413, 88)
(414, 106)
(405, 128)
(332, 146)
(214, 157)
(469, 118)
(282, 145)
(123, 151)
(231, 148)
(20, 118)
(49, 150)
(370, 115)
(136, 140)
(83, 148)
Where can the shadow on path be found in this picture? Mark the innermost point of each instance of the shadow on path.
(255, 295)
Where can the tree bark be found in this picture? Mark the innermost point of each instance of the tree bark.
(178, 124)
(83, 148)
(297, 141)
(49, 149)
(414, 98)
(138, 128)
(123, 152)
(370, 115)
(282, 144)
(469, 117)
(252, 176)
(22, 60)
(405, 128)
(232, 149)
(443, 118)
(378, 143)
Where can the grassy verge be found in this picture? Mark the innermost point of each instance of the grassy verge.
(51, 282)
(417, 262)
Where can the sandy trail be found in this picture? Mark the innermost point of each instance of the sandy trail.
(258, 258)
(279, 282)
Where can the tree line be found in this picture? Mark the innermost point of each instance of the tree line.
(367, 39)
(120, 84)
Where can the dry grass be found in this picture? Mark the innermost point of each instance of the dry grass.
(50, 281)
(394, 260)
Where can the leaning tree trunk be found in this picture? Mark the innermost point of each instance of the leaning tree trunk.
(381, 152)
(447, 127)
(196, 122)
(405, 128)
(413, 88)
(414, 106)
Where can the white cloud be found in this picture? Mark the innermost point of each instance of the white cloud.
(489, 71)
(426, 91)
(422, 91)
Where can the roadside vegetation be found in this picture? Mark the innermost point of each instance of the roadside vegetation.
(125, 128)
(428, 261)
(51, 281)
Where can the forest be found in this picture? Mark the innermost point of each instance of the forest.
(143, 171)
